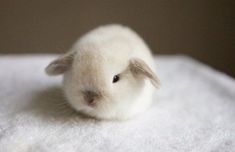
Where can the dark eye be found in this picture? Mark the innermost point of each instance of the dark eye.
(116, 78)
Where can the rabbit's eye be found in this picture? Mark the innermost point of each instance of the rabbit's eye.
(116, 78)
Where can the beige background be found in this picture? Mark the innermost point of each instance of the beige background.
(200, 28)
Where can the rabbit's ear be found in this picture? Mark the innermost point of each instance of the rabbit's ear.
(140, 69)
(61, 64)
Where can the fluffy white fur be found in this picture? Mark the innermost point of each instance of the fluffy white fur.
(96, 58)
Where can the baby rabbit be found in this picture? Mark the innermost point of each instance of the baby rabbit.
(108, 73)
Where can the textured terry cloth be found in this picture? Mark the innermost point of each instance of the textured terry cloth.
(194, 110)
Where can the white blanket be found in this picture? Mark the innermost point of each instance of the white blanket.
(194, 110)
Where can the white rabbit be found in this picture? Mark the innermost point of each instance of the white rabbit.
(108, 73)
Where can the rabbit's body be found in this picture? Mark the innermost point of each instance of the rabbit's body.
(105, 73)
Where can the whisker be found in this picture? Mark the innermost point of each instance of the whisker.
(62, 104)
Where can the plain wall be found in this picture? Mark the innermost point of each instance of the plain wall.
(202, 29)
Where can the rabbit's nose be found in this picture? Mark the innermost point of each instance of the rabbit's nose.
(90, 97)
